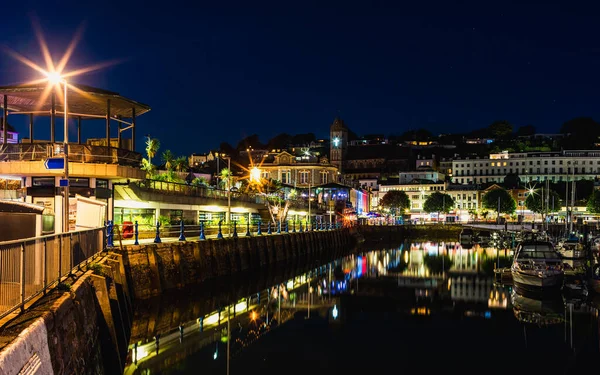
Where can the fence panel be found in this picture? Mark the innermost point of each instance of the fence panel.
(29, 266)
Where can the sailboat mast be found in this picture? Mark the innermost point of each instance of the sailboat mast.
(572, 203)
(567, 202)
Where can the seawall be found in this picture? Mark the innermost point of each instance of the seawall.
(155, 268)
(83, 329)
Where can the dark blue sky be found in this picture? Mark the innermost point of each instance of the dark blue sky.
(220, 70)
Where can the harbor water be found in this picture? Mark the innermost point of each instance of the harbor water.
(417, 307)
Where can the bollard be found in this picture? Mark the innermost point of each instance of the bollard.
(258, 232)
(293, 226)
(157, 238)
(279, 227)
(181, 230)
(300, 227)
(312, 225)
(109, 234)
(220, 234)
(248, 229)
(235, 235)
(136, 233)
(269, 228)
(202, 236)
(201, 324)
(287, 229)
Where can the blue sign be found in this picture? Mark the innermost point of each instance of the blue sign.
(63, 182)
(54, 163)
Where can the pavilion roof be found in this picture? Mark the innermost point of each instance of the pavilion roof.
(81, 100)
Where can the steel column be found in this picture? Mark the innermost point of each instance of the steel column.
(31, 128)
(108, 123)
(52, 116)
(5, 120)
(78, 129)
(133, 129)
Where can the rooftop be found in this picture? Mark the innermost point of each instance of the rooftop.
(84, 101)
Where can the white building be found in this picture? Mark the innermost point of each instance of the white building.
(407, 177)
(555, 166)
(417, 191)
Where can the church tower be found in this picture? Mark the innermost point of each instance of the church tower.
(338, 143)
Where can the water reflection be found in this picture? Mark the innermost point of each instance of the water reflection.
(424, 279)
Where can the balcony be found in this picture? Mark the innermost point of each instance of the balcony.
(78, 153)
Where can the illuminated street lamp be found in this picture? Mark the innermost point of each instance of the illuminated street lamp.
(255, 175)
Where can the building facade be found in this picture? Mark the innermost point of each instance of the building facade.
(338, 143)
(558, 166)
(300, 171)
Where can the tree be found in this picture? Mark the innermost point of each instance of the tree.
(168, 158)
(593, 204)
(526, 130)
(227, 149)
(535, 201)
(395, 200)
(512, 181)
(438, 202)
(583, 133)
(500, 129)
(181, 164)
(507, 203)
(250, 141)
(279, 141)
(303, 139)
(225, 178)
(152, 146)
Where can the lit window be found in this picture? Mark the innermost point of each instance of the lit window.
(304, 177)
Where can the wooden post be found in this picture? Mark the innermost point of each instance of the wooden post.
(5, 120)
(31, 128)
(108, 123)
(52, 116)
(79, 130)
(133, 129)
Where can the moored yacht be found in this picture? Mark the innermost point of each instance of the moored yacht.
(537, 266)
(571, 248)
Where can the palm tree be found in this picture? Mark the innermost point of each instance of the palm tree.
(152, 146)
(148, 168)
(226, 177)
(181, 164)
(168, 159)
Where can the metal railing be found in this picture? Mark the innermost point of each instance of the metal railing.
(175, 188)
(29, 266)
(194, 232)
(77, 153)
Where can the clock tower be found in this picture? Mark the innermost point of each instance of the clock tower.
(338, 143)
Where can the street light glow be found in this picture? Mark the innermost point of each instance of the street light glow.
(255, 174)
(54, 77)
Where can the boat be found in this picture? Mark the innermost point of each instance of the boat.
(537, 267)
(571, 247)
(466, 236)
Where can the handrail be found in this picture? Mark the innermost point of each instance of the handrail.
(78, 153)
(30, 266)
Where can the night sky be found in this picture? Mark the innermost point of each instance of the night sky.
(220, 71)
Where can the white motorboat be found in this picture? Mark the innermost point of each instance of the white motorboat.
(571, 248)
(537, 266)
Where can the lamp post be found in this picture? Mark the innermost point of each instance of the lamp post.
(56, 79)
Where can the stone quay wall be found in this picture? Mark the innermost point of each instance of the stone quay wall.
(155, 268)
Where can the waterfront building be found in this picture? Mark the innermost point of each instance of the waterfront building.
(556, 166)
(93, 167)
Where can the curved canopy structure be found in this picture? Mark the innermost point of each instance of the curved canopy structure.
(84, 101)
